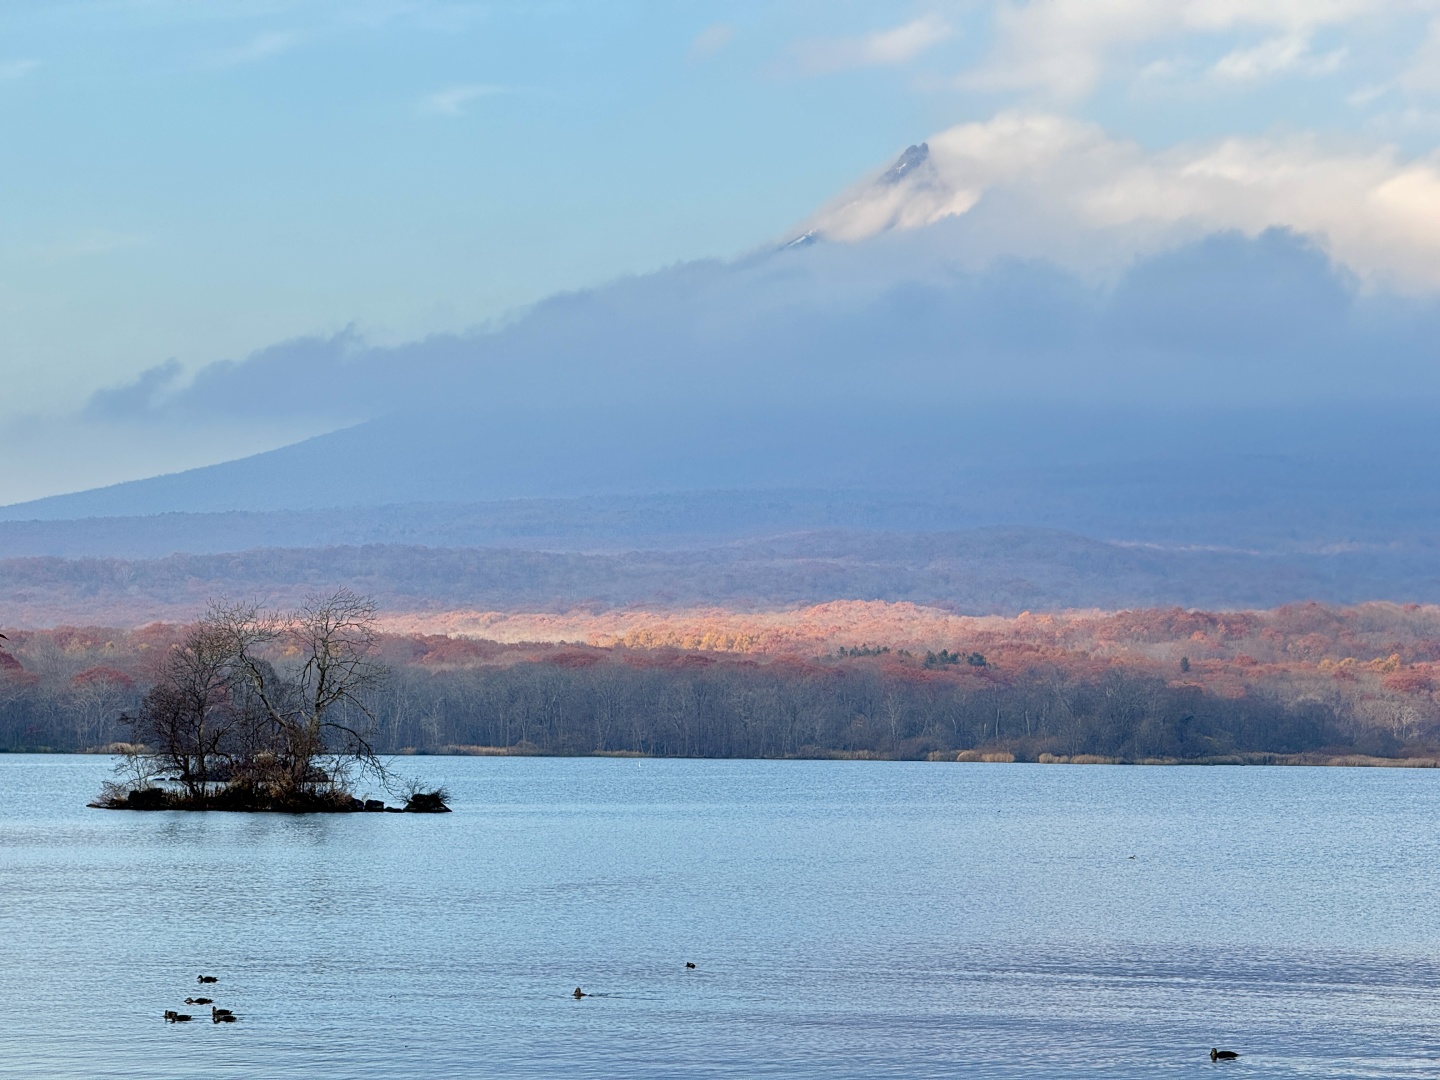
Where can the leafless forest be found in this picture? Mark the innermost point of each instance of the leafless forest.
(1138, 685)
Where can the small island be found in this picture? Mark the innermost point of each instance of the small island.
(263, 711)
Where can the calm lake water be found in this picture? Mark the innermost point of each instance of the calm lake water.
(847, 919)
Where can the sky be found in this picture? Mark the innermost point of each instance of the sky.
(189, 184)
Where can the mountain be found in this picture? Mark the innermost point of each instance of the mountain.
(1232, 395)
(1267, 479)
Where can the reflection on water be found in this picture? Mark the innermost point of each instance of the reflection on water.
(847, 919)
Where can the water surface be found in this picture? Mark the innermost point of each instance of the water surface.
(847, 919)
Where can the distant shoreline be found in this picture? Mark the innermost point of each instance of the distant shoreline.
(963, 757)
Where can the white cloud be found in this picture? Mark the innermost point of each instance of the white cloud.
(453, 100)
(883, 47)
(1064, 48)
(1289, 53)
(1374, 211)
(1164, 70)
(17, 69)
(1366, 95)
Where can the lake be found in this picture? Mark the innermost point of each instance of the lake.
(846, 919)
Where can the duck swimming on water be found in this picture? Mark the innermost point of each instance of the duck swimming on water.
(579, 994)
(177, 1017)
(198, 1001)
(206, 979)
(1222, 1055)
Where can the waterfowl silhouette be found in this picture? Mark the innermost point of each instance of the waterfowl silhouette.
(214, 1012)
(223, 1018)
(688, 964)
(177, 1017)
(1222, 1055)
(198, 1001)
(579, 994)
(206, 979)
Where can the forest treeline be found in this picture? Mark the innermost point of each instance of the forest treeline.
(68, 689)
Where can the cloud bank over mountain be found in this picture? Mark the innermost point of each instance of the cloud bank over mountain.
(1222, 382)
(345, 174)
(1224, 321)
(1026, 261)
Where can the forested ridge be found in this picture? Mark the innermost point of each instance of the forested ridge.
(999, 571)
(1131, 686)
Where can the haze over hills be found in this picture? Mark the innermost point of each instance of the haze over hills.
(1000, 571)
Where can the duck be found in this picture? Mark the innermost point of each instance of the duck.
(206, 979)
(1222, 1055)
(689, 965)
(198, 1001)
(215, 1013)
(224, 1018)
(177, 1017)
(579, 994)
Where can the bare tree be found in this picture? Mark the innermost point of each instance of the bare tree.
(276, 705)
(309, 676)
(337, 640)
(187, 715)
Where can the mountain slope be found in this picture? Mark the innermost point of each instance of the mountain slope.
(1267, 479)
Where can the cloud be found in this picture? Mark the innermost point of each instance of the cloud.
(143, 394)
(1224, 321)
(260, 47)
(1366, 95)
(327, 367)
(711, 40)
(883, 47)
(1374, 211)
(17, 69)
(1279, 56)
(1066, 48)
(453, 100)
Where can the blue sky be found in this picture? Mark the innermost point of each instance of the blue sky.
(201, 180)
